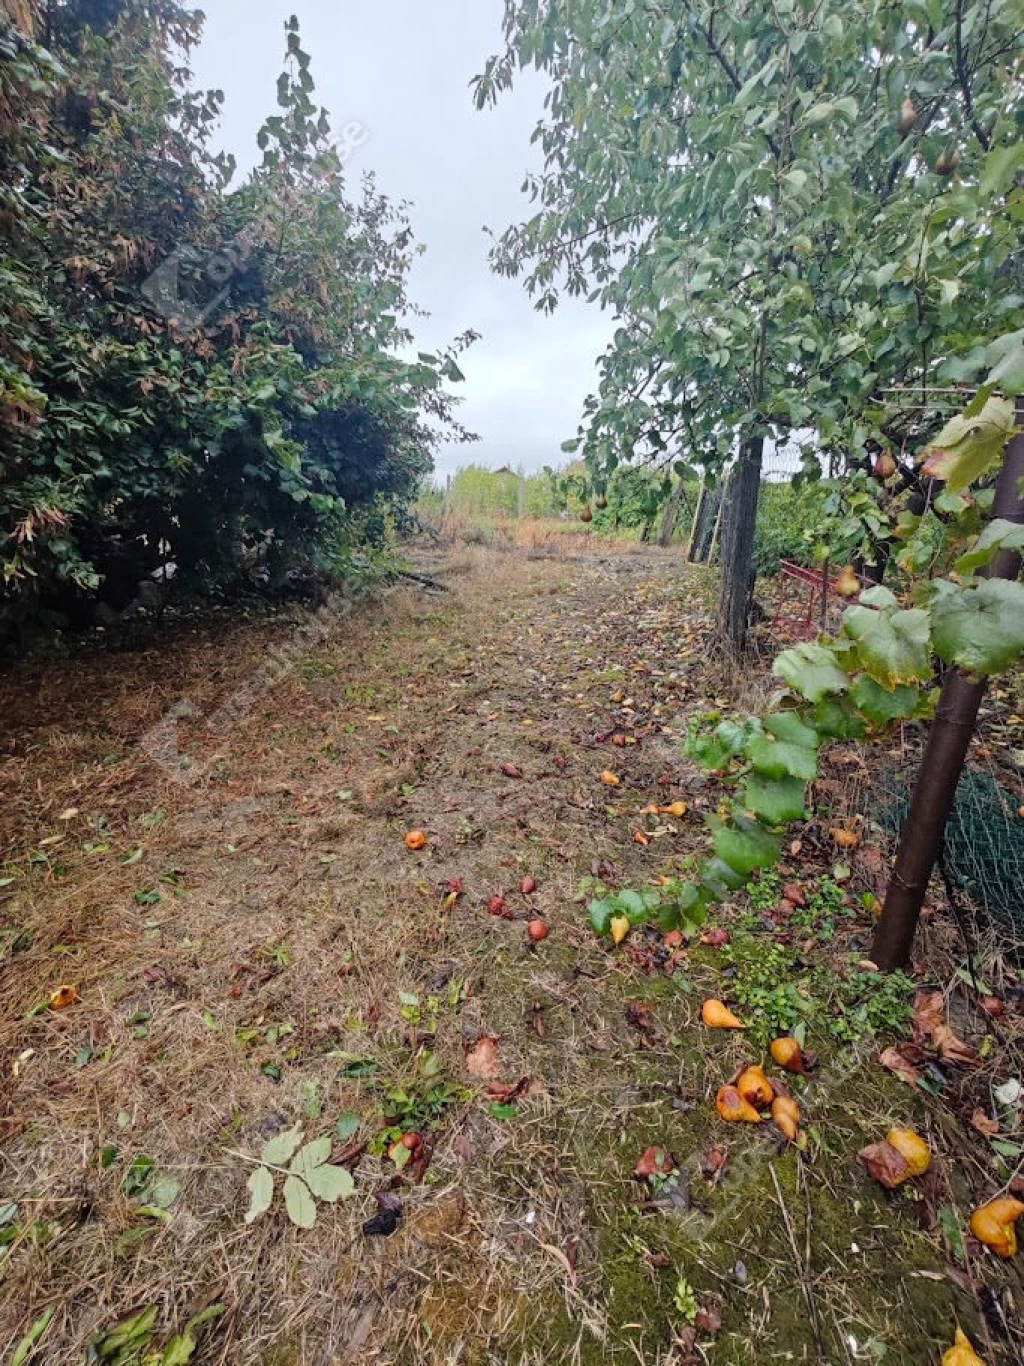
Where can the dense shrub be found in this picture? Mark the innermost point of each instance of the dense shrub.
(136, 427)
(789, 521)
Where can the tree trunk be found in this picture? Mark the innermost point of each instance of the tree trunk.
(668, 521)
(948, 742)
(737, 554)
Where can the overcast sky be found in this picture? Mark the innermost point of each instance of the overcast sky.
(401, 69)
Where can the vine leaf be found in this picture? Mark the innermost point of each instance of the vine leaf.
(781, 759)
(968, 448)
(892, 646)
(746, 850)
(299, 1203)
(1000, 534)
(776, 802)
(261, 1193)
(881, 706)
(812, 671)
(980, 629)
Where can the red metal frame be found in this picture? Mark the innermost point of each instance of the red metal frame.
(817, 582)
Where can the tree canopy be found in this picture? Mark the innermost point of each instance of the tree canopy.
(790, 208)
(189, 371)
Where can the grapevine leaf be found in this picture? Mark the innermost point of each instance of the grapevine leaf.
(330, 1183)
(299, 1203)
(746, 850)
(778, 801)
(980, 629)
(787, 726)
(835, 720)
(261, 1192)
(880, 705)
(281, 1147)
(879, 596)
(968, 448)
(720, 879)
(780, 759)
(812, 671)
(998, 535)
(892, 646)
(1006, 356)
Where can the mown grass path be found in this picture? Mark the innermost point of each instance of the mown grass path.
(255, 945)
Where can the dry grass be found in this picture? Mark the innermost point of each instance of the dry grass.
(290, 921)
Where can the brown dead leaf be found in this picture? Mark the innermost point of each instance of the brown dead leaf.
(930, 1027)
(894, 1060)
(511, 771)
(482, 1059)
(714, 1163)
(505, 1095)
(984, 1125)
(794, 894)
(708, 1321)
(885, 1164)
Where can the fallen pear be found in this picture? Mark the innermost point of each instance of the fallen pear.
(415, 839)
(995, 1225)
(609, 779)
(786, 1114)
(755, 1087)
(962, 1353)
(913, 1147)
(619, 926)
(717, 1015)
(675, 809)
(787, 1054)
(734, 1109)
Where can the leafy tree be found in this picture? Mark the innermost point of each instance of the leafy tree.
(789, 207)
(188, 371)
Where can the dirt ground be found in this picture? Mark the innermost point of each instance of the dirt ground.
(205, 837)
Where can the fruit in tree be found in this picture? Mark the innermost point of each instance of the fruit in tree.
(848, 585)
(601, 502)
(885, 466)
(908, 117)
(586, 515)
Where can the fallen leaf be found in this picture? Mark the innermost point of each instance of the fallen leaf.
(715, 939)
(846, 839)
(930, 1027)
(983, 1124)
(794, 894)
(885, 1164)
(482, 1060)
(640, 838)
(714, 1163)
(896, 1062)
(708, 1321)
(511, 771)
(504, 1095)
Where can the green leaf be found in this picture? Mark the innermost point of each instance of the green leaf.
(812, 671)
(281, 1146)
(968, 448)
(746, 850)
(980, 629)
(891, 646)
(299, 1203)
(330, 1183)
(880, 705)
(601, 913)
(180, 1349)
(721, 879)
(27, 1344)
(261, 1193)
(632, 905)
(998, 535)
(317, 1151)
(879, 596)
(778, 801)
(786, 725)
(347, 1126)
(780, 759)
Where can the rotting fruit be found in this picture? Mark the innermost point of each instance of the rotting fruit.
(716, 1015)
(995, 1225)
(415, 839)
(538, 931)
(786, 1114)
(914, 1149)
(755, 1087)
(734, 1109)
(787, 1054)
